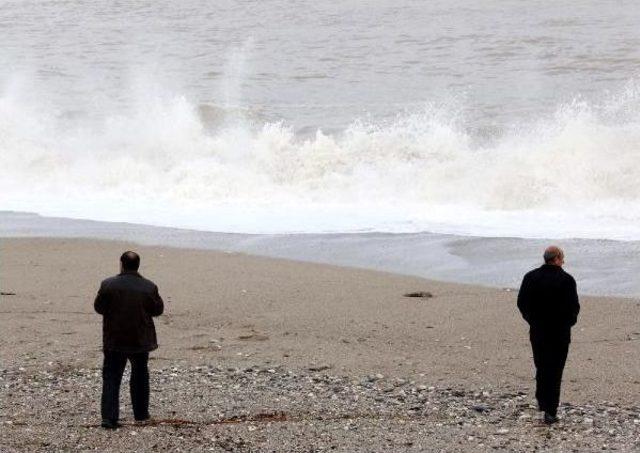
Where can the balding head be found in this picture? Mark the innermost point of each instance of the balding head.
(553, 255)
(129, 261)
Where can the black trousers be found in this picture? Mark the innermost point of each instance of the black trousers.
(549, 357)
(112, 370)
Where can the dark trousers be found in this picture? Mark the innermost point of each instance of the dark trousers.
(549, 356)
(112, 370)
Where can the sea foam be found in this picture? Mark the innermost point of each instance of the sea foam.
(165, 160)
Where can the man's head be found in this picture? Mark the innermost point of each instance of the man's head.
(554, 255)
(129, 261)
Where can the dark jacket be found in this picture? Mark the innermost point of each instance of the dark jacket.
(127, 303)
(548, 301)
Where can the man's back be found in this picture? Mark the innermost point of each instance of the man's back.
(548, 299)
(128, 302)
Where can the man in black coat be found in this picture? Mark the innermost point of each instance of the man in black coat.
(127, 302)
(548, 301)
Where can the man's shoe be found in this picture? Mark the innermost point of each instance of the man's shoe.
(550, 419)
(142, 417)
(110, 424)
(143, 421)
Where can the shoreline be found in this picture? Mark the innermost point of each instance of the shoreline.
(601, 268)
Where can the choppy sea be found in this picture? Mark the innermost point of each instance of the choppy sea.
(505, 123)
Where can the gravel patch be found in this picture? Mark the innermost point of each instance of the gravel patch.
(258, 408)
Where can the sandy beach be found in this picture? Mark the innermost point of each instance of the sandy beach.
(229, 316)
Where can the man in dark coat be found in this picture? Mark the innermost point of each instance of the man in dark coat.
(127, 302)
(548, 301)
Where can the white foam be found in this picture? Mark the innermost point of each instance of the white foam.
(159, 162)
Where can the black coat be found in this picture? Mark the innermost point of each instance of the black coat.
(127, 303)
(548, 301)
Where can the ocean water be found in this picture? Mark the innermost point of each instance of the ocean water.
(488, 119)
